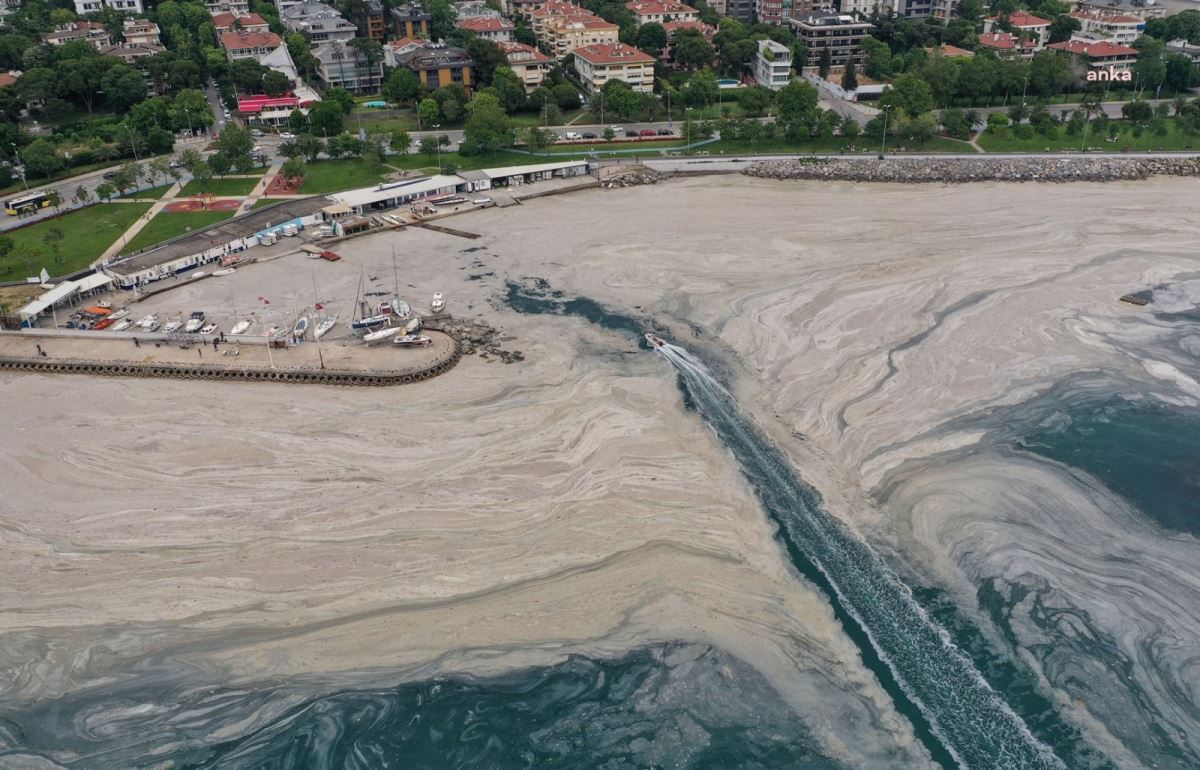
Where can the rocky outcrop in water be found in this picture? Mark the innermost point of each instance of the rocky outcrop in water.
(636, 176)
(477, 337)
(983, 169)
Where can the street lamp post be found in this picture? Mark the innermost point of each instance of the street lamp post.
(688, 119)
(437, 141)
(17, 156)
(188, 113)
(669, 109)
(883, 141)
(132, 143)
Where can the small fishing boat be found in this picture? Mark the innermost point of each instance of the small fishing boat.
(145, 322)
(173, 325)
(324, 325)
(104, 304)
(381, 335)
(438, 304)
(412, 341)
(413, 326)
(301, 327)
(117, 316)
(209, 329)
(195, 322)
(121, 326)
(240, 327)
(225, 271)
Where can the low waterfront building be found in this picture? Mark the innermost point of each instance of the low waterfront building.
(515, 176)
(841, 35)
(264, 110)
(63, 294)
(438, 65)
(410, 20)
(490, 28)
(390, 195)
(528, 63)
(340, 65)
(597, 64)
(772, 65)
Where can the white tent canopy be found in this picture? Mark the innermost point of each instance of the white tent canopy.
(52, 297)
(93, 281)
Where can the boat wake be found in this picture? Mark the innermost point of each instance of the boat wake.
(968, 722)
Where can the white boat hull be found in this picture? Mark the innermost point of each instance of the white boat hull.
(380, 335)
(240, 327)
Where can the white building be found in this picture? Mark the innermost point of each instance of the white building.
(597, 64)
(773, 65)
(95, 6)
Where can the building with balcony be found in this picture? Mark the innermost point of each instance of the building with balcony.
(470, 9)
(552, 10)
(91, 31)
(410, 20)
(249, 45)
(83, 7)
(318, 22)
(1118, 28)
(599, 63)
(564, 36)
(1003, 44)
(236, 7)
(343, 66)
(842, 35)
(140, 32)
(370, 20)
(251, 22)
(1027, 26)
(490, 28)
(439, 65)
(1097, 57)
(1143, 9)
(529, 64)
(660, 11)
(393, 49)
(772, 65)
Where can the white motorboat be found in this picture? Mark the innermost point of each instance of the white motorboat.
(240, 327)
(117, 316)
(381, 335)
(121, 326)
(194, 322)
(413, 326)
(147, 321)
(104, 304)
(225, 271)
(655, 341)
(412, 341)
(438, 304)
(209, 329)
(301, 327)
(199, 274)
(173, 325)
(324, 325)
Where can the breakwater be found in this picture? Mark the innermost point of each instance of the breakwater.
(981, 169)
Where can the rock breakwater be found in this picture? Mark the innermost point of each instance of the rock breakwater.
(982, 169)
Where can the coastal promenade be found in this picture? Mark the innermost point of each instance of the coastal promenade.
(334, 363)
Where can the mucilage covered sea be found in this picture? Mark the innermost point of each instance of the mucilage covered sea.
(1075, 517)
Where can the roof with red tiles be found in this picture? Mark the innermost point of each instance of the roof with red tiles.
(240, 40)
(613, 53)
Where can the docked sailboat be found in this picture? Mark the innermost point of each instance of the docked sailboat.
(324, 325)
(240, 327)
(301, 327)
(381, 335)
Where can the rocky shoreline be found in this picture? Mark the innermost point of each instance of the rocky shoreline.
(982, 169)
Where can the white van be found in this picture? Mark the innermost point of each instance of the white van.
(573, 135)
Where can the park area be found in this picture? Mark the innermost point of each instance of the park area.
(221, 186)
(170, 224)
(69, 242)
(1005, 140)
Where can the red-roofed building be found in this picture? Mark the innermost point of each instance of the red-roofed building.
(555, 10)
(1004, 44)
(1028, 25)
(249, 45)
(1118, 28)
(1098, 60)
(489, 28)
(9, 78)
(251, 22)
(263, 110)
(660, 11)
(395, 48)
(673, 27)
(597, 64)
(564, 35)
(529, 64)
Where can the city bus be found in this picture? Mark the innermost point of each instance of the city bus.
(26, 203)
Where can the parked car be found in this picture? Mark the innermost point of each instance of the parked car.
(589, 135)
(110, 174)
(572, 135)
(665, 132)
(175, 164)
(287, 135)
(631, 132)
(256, 132)
(616, 129)
(647, 132)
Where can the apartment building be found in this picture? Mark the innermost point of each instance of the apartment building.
(555, 9)
(772, 65)
(1027, 26)
(491, 28)
(249, 45)
(371, 20)
(343, 66)
(1003, 44)
(410, 20)
(842, 35)
(470, 9)
(660, 11)
(599, 63)
(91, 31)
(1118, 28)
(529, 64)
(140, 32)
(393, 49)
(251, 22)
(318, 22)
(236, 7)
(83, 7)
(1100, 56)
(438, 64)
(1143, 9)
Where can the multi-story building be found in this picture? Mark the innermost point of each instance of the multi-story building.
(236, 7)
(742, 10)
(91, 31)
(1003, 44)
(563, 36)
(83, 7)
(842, 35)
(555, 10)
(439, 65)
(393, 49)
(1027, 26)
(1143, 9)
(1117, 28)
(251, 22)
(410, 20)
(133, 54)
(520, 8)
(1101, 56)
(599, 63)
(489, 28)
(318, 22)
(660, 11)
(370, 19)
(674, 27)
(772, 11)
(140, 32)
(529, 64)
(470, 9)
(249, 45)
(1182, 46)
(263, 110)
(344, 66)
(772, 65)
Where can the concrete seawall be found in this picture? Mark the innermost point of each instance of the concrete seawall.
(976, 169)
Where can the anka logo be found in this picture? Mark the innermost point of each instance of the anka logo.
(1111, 73)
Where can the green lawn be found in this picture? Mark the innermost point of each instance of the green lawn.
(1174, 140)
(86, 234)
(168, 225)
(258, 204)
(228, 186)
(149, 192)
(832, 146)
(326, 176)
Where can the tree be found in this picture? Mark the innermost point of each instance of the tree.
(824, 63)
(609, 134)
(538, 139)
(82, 195)
(290, 149)
(620, 99)
(54, 238)
(429, 146)
(754, 100)
(652, 38)
(954, 121)
(235, 143)
(566, 97)
(428, 112)
(850, 129)
(701, 89)
(1049, 73)
(190, 109)
(1062, 26)
(341, 97)
(275, 83)
(203, 175)
(508, 89)
(796, 105)
(402, 86)
(849, 77)
(1137, 111)
(310, 146)
(54, 198)
(123, 87)
(996, 122)
(297, 121)
(293, 168)
(1180, 73)
(127, 176)
(691, 50)
(326, 118)
(220, 163)
(104, 191)
(488, 128)
(909, 93)
(488, 57)
(400, 142)
(41, 158)
(80, 78)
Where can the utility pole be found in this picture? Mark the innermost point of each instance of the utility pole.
(883, 141)
(437, 141)
(17, 156)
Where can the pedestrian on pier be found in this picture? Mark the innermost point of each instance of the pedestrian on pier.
(200, 350)
(39, 349)
(136, 344)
